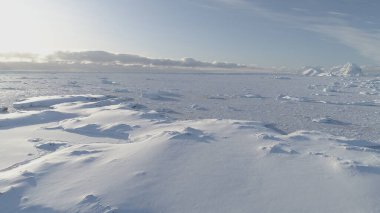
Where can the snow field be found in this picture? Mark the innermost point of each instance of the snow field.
(77, 153)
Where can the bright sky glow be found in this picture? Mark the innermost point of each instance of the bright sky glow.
(262, 32)
(20, 25)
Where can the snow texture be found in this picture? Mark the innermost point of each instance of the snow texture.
(83, 155)
(189, 142)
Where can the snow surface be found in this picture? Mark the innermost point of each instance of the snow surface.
(187, 143)
(353, 100)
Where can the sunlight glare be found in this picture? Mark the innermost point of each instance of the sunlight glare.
(24, 26)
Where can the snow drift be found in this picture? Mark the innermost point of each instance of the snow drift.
(98, 157)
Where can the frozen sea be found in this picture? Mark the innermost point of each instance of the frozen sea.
(340, 106)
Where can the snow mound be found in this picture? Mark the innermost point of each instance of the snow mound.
(249, 95)
(167, 165)
(48, 101)
(19, 119)
(328, 120)
(119, 131)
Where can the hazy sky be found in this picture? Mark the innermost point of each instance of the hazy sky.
(262, 32)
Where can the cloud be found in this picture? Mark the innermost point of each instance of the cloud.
(19, 57)
(366, 43)
(128, 59)
(98, 60)
(335, 13)
(328, 20)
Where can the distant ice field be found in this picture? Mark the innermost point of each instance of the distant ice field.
(340, 106)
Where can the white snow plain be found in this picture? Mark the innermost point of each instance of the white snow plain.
(195, 142)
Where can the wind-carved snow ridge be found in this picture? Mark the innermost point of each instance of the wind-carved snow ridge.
(48, 101)
(328, 120)
(106, 154)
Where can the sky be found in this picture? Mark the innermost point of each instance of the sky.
(265, 33)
